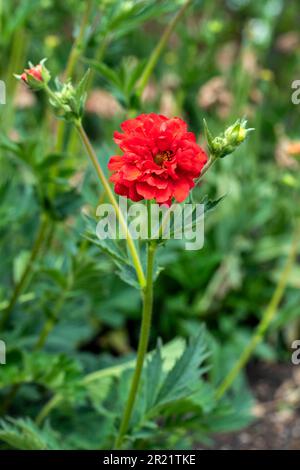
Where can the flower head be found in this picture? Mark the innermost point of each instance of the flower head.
(161, 159)
(36, 75)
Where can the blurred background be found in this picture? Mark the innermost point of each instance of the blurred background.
(224, 60)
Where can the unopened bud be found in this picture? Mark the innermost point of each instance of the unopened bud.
(226, 143)
(36, 76)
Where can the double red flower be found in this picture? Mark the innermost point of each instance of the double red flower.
(161, 159)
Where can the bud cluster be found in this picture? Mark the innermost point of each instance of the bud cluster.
(67, 100)
(229, 140)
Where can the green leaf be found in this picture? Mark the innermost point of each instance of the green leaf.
(186, 372)
(20, 263)
(208, 135)
(23, 434)
(82, 85)
(210, 204)
(110, 247)
(127, 274)
(114, 249)
(203, 397)
(50, 160)
(109, 74)
(56, 372)
(63, 204)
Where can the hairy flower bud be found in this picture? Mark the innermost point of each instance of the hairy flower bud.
(69, 100)
(64, 98)
(36, 76)
(227, 142)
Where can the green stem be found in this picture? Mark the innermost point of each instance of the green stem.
(38, 244)
(47, 409)
(74, 55)
(73, 138)
(267, 317)
(16, 59)
(78, 45)
(19, 44)
(142, 347)
(130, 243)
(206, 167)
(154, 57)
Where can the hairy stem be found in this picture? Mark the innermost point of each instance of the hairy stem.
(206, 167)
(142, 347)
(267, 317)
(130, 243)
(46, 410)
(73, 138)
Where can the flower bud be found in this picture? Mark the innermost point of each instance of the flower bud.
(227, 142)
(36, 76)
(69, 100)
(64, 98)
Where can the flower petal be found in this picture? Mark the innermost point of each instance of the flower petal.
(181, 190)
(148, 192)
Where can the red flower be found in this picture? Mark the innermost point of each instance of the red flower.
(161, 159)
(34, 72)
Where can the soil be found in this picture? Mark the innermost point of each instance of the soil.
(276, 388)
